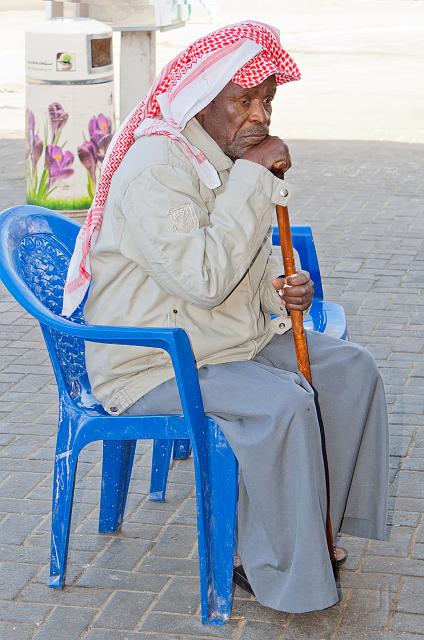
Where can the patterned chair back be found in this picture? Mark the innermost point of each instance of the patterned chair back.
(43, 245)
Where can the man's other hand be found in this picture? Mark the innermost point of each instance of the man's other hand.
(296, 291)
(271, 151)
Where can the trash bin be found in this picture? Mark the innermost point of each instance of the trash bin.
(69, 110)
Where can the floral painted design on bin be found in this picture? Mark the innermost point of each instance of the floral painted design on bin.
(92, 152)
(34, 150)
(57, 161)
(34, 146)
(87, 153)
(58, 118)
(100, 128)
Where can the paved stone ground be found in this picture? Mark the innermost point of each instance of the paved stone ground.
(365, 203)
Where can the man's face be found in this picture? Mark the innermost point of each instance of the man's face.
(238, 118)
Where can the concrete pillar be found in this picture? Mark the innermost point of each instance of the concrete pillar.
(137, 68)
(54, 9)
(65, 8)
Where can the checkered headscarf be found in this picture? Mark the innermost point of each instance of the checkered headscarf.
(246, 53)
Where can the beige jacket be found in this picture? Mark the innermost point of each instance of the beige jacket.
(173, 253)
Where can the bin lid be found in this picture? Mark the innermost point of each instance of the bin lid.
(69, 50)
(77, 26)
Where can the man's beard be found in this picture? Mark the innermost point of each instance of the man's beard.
(238, 147)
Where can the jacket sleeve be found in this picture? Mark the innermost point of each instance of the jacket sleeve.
(193, 255)
(270, 300)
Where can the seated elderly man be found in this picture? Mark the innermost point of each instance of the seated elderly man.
(178, 236)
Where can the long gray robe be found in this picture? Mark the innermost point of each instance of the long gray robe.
(268, 413)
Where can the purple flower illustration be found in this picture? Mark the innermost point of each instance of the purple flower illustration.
(30, 131)
(102, 147)
(58, 119)
(34, 147)
(92, 152)
(37, 150)
(99, 128)
(58, 163)
(30, 122)
(87, 153)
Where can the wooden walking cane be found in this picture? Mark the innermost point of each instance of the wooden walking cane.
(299, 336)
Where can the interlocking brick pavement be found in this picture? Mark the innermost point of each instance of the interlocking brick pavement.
(364, 201)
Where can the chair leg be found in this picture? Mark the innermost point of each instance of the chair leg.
(118, 457)
(63, 493)
(182, 449)
(161, 458)
(216, 493)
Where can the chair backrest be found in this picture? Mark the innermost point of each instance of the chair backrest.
(303, 243)
(35, 246)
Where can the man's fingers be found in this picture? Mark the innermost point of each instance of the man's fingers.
(298, 278)
(301, 291)
(278, 283)
(296, 291)
(297, 307)
(297, 302)
(296, 297)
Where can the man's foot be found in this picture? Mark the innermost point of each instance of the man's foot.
(340, 555)
(240, 579)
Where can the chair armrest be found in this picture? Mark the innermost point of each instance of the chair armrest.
(303, 242)
(175, 341)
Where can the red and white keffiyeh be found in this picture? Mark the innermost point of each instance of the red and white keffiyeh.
(246, 53)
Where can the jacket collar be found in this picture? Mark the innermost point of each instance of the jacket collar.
(197, 136)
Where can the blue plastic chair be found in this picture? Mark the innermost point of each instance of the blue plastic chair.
(325, 317)
(35, 248)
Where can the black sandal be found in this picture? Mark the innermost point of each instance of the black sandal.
(240, 579)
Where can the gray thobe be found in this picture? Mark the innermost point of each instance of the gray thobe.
(268, 413)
